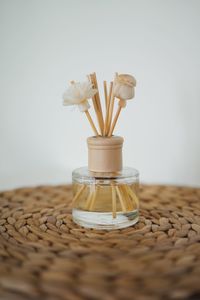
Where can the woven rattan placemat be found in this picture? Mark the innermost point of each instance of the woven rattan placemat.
(44, 255)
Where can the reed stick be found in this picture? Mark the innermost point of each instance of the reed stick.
(96, 109)
(91, 122)
(78, 193)
(105, 93)
(121, 104)
(128, 201)
(120, 199)
(89, 198)
(125, 198)
(114, 121)
(113, 201)
(106, 103)
(97, 103)
(94, 197)
(133, 196)
(106, 128)
(111, 107)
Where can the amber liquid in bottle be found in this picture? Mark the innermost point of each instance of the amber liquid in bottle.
(105, 201)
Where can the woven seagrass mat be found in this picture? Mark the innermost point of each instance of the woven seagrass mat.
(44, 255)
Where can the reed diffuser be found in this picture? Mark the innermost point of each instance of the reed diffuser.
(105, 193)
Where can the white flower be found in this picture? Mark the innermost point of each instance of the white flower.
(124, 86)
(78, 93)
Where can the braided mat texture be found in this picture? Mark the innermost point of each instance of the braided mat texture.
(44, 255)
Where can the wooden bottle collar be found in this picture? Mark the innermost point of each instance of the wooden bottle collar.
(105, 154)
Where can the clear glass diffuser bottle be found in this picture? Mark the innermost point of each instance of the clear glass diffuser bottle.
(105, 193)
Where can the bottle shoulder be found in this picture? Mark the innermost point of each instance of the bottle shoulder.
(127, 172)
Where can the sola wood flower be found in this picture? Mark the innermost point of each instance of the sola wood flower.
(124, 86)
(78, 93)
(123, 89)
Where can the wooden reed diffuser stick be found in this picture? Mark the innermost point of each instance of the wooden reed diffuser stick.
(114, 122)
(121, 104)
(89, 198)
(93, 200)
(91, 122)
(96, 109)
(111, 107)
(106, 104)
(113, 202)
(120, 199)
(105, 94)
(133, 196)
(106, 128)
(127, 197)
(78, 193)
(97, 103)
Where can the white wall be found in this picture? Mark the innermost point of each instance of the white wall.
(46, 43)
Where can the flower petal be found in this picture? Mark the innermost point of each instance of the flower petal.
(78, 92)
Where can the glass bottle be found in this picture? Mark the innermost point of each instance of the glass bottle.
(105, 193)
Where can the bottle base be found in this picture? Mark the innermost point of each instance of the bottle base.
(105, 220)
